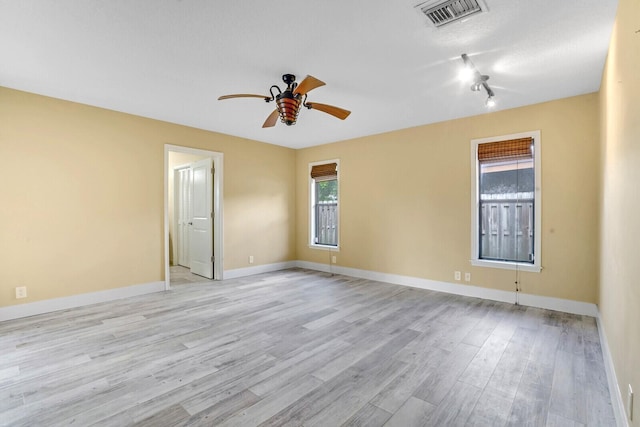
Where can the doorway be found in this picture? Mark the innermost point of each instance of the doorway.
(193, 211)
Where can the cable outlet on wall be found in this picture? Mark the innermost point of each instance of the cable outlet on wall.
(467, 277)
(456, 275)
(21, 292)
(250, 259)
(334, 259)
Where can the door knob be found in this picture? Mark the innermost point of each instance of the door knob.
(190, 223)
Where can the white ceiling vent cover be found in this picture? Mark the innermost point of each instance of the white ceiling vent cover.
(445, 12)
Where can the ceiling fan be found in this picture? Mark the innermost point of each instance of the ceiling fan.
(289, 101)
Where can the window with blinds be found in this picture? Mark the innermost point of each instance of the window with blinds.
(506, 211)
(324, 204)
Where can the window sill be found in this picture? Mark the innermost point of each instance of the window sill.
(506, 265)
(325, 247)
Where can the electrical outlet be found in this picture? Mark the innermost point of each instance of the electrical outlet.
(334, 259)
(457, 275)
(630, 403)
(21, 292)
(250, 259)
(467, 277)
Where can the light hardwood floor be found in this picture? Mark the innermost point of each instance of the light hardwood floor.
(298, 347)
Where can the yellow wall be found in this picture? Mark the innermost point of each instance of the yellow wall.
(619, 296)
(81, 206)
(405, 201)
(84, 211)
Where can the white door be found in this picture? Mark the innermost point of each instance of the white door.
(182, 212)
(201, 235)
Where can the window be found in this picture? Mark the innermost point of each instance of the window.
(506, 202)
(323, 178)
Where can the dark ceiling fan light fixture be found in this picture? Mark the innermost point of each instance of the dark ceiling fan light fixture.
(479, 81)
(289, 101)
(288, 107)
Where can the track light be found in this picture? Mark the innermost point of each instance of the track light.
(466, 74)
(490, 102)
(479, 80)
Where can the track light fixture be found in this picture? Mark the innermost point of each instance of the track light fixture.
(478, 81)
(490, 102)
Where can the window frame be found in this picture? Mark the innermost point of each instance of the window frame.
(536, 266)
(312, 210)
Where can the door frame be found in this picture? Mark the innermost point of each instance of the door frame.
(218, 210)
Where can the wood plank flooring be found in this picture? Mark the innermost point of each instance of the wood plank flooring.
(298, 347)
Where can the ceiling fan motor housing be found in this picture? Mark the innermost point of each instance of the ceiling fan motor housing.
(288, 106)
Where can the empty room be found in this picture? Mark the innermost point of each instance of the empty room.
(383, 213)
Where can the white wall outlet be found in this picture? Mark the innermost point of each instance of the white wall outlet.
(250, 259)
(457, 275)
(467, 277)
(630, 403)
(21, 292)
(334, 259)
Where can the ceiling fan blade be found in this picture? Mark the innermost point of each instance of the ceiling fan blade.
(244, 95)
(307, 84)
(272, 119)
(338, 112)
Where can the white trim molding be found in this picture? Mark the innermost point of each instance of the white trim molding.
(19, 311)
(549, 303)
(506, 265)
(258, 269)
(64, 303)
(475, 205)
(311, 204)
(614, 388)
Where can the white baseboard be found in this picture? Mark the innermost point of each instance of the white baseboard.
(47, 306)
(56, 304)
(550, 303)
(614, 388)
(258, 269)
(559, 304)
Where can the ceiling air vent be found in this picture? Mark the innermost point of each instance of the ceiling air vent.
(445, 12)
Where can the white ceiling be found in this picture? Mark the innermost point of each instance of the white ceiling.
(171, 59)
